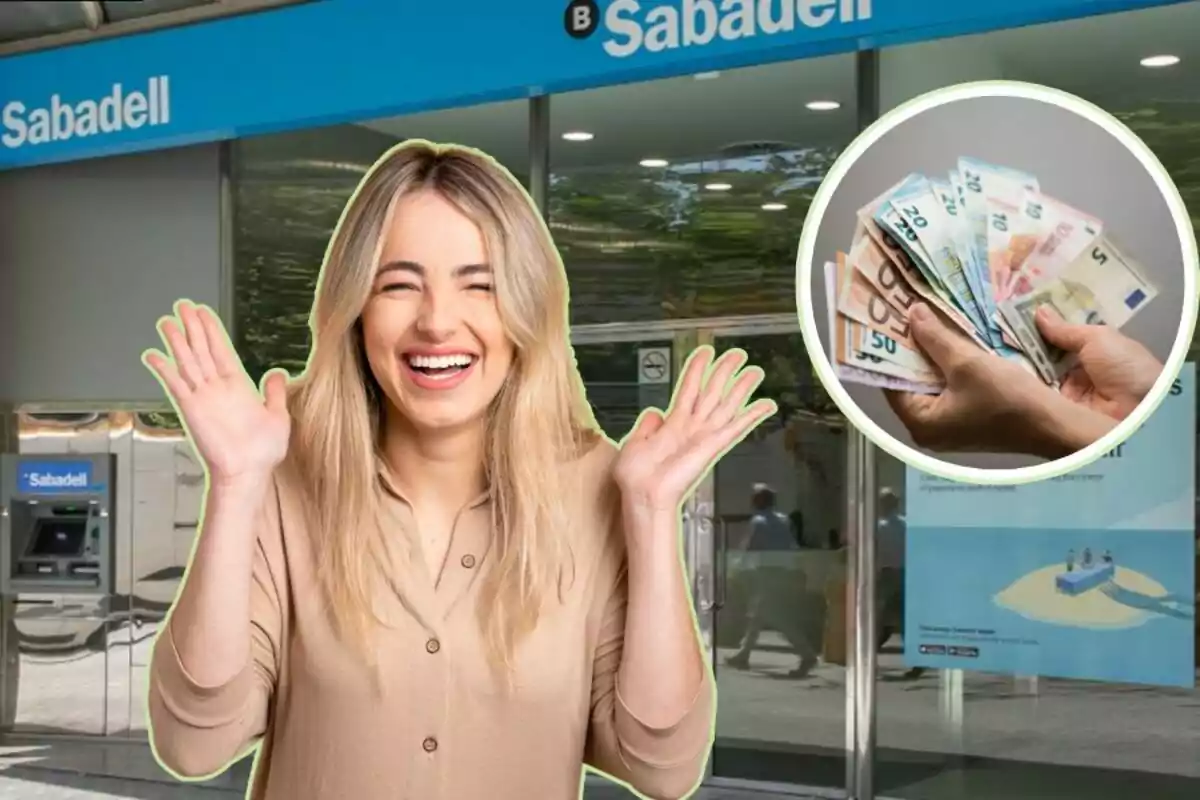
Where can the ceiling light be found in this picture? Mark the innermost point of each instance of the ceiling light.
(578, 136)
(653, 162)
(823, 105)
(707, 76)
(718, 187)
(774, 206)
(1160, 61)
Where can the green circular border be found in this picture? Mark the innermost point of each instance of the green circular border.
(804, 274)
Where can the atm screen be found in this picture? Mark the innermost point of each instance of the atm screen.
(58, 538)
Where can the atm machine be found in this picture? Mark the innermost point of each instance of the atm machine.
(56, 521)
(56, 541)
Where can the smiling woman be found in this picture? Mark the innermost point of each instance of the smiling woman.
(422, 571)
(434, 274)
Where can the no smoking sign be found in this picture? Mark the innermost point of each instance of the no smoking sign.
(654, 365)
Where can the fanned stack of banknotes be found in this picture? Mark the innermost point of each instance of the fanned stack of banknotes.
(986, 248)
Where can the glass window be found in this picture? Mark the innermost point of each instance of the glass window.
(964, 734)
(26, 20)
(677, 205)
(684, 198)
(121, 10)
(289, 191)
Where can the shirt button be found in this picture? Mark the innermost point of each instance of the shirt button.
(433, 645)
(468, 561)
(430, 744)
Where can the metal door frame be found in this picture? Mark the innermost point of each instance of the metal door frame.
(786, 325)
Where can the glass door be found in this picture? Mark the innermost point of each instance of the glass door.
(624, 375)
(778, 623)
(764, 542)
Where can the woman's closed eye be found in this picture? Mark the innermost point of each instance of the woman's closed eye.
(399, 286)
(480, 286)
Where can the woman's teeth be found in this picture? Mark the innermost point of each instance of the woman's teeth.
(441, 364)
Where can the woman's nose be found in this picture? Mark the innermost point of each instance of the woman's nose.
(439, 315)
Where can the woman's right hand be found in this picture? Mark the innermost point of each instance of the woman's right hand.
(240, 433)
(1114, 372)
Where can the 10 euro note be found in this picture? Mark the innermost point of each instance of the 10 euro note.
(1014, 230)
(1067, 234)
(1103, 286)
(982, 182)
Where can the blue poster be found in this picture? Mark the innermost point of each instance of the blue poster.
(1090, 575)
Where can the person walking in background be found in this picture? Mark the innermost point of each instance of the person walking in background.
(890, 540)
(772, 585)
(797, 520)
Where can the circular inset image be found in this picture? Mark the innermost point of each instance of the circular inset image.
(996, 282)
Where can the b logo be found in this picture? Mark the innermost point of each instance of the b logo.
(581, 18)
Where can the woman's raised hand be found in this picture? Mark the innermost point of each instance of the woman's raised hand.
(240, 433)
(665, 455)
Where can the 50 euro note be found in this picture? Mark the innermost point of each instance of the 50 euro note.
(1102, 286)
(882, 260)
(852, 374)
(859, 299)
(872, 335)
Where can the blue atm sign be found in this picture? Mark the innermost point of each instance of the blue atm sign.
(54, 477)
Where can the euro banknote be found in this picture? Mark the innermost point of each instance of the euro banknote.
(984, 246)
(1102, 286)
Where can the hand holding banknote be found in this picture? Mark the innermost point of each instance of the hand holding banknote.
(989, 403)
(986, 253)
(1112, 372)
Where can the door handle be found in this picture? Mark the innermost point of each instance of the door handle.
(720, 563)
(700, 544)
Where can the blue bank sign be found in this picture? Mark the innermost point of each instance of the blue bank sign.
(332, 61)
(54, 477)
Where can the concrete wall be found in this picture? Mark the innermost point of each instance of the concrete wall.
(91, 254)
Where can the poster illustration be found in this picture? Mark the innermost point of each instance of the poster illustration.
(1090, 575)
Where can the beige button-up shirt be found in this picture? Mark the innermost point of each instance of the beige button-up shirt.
(438, 729)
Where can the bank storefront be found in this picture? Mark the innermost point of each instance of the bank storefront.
(674, 147)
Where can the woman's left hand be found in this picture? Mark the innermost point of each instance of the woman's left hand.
(665, 455)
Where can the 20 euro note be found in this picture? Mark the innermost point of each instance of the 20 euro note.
(964, 242)
(1102, 286)
(893, 224)
(848, 374)
(928, 218)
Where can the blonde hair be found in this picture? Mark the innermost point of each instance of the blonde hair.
(539, 418)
